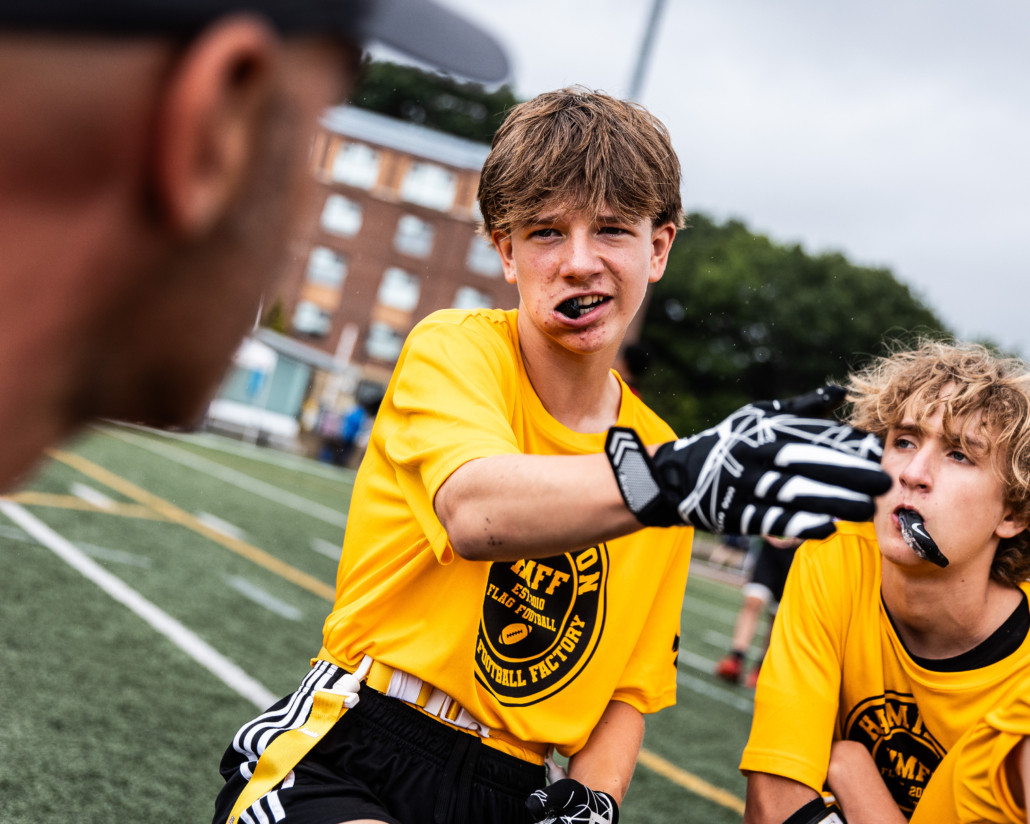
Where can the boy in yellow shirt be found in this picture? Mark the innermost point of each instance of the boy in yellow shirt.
(878, 652)
(498, 594)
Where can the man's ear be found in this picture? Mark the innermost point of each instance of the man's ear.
(1011, 525)
(661, 243)
(502, 243)
(210, 121)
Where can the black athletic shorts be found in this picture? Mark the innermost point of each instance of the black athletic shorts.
(384, 760)
(771, 569)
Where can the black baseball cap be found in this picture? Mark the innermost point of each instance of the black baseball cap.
(420, 28)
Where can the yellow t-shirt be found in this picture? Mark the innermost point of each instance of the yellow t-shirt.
(836, 670)
(536, 648)
(971, 785)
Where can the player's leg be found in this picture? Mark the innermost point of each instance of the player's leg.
(756, 596)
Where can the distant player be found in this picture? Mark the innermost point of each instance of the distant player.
(763, 592)
(895, 638)
(497, 594)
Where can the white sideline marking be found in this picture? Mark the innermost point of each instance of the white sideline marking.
(218, 525)
(716, 693)
(263, 598)
(327, 548)
(232, 476)
(699, 607)
(199, 650)
(91, 496)
(114, 555)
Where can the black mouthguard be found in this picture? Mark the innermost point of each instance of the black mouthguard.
(913, 530)
(569, 308)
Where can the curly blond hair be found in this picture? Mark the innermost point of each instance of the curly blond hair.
(586, 150)
(994, 391)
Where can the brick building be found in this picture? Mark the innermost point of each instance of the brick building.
(392, 238)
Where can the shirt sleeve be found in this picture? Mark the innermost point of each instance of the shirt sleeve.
(648, 682)
(451, 403)
(798, 695)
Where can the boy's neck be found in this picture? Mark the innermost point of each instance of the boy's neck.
(578, 391)
(942, 616)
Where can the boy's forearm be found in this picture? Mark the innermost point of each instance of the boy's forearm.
(607, 761)
(855, 781)
(772, 799)
(509, 507)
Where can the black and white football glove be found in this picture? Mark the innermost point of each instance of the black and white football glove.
(569, 802)
(765, 470)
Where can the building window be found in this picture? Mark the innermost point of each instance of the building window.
(326, 267)
(414, 237)
(384, 342)
(483, 258)
(430, 185)
(399, 290)
(341, 216)
(468, 298)
(311, 319)
(356, 165)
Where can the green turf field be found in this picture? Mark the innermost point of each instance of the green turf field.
(104, 719)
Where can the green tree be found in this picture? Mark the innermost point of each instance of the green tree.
(275, 318)
(738, 317)
(433, 100)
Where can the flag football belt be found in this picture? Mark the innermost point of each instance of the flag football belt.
(330, 705)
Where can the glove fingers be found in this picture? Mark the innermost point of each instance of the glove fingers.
(828, 465)
(799, 492)
(788, 523)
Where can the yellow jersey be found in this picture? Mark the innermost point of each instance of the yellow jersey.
(538, 647)
(836, 670)
(971, 785)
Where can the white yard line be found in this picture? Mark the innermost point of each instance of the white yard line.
(115, 556)
(716, 693)
(218, 525)
(232, 476)
(699, 607)
(725, 642)
(698, 662)
(327, 548)
(263, 598)
(91, 496)
(190, 643)
(243, 450)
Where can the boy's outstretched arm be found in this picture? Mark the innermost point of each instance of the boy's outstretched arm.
(509, 507)
(759, 471)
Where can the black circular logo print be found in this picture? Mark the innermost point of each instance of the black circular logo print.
(891, 728)
(541, 623)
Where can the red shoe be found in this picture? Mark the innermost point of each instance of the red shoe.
(752, 677)
(729, 669)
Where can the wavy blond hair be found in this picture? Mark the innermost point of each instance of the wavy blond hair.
(992, 390)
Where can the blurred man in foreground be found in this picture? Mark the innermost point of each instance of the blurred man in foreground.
(151, 154)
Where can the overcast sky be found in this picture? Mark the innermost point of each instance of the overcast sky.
(896, 132)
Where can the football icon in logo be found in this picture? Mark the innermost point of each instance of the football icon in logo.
(513, 633)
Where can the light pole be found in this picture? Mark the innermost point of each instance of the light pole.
(646, 44)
